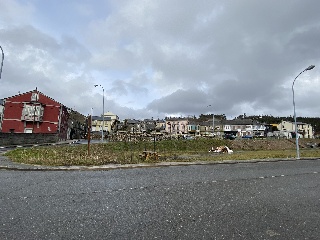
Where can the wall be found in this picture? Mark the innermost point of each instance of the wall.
(7, 139)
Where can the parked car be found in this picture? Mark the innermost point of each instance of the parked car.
(229, 136)
(247, 136)
(188, 137)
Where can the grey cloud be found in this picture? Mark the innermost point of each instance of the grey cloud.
(232, 54)
(119, 87)
(181, 101)
(27, 35)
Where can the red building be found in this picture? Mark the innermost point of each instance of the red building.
(34, 112)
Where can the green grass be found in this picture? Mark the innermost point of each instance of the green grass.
(169, 150)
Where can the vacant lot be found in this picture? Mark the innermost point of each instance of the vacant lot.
(166, 150)
(271, 144)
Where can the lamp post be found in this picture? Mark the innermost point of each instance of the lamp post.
(91, 119)
(294, 111)
(96, 85)
(1, 61)
(212, 122)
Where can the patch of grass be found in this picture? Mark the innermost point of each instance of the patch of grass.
(169, 150)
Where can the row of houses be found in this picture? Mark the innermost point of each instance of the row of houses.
(35, 112)
(218, 128)
(195, 127)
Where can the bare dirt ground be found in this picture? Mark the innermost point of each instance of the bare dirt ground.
(271, 144)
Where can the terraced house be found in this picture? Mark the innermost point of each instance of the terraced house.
(304, 130)
(34, 112)
(108, 122)
(243, 127)
(236, 127)
(177, 126)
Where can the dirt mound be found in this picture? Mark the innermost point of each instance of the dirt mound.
(270, 144)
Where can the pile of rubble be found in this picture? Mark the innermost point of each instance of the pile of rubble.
(221, 149)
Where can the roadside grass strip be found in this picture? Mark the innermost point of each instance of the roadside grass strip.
(166, 151)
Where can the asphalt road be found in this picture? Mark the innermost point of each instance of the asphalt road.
(276, 200)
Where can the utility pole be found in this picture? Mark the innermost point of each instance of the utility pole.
(1, 61)
(96, 85)
(212, 121)
(89, 120)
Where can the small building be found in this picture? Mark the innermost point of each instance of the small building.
(112, 120)
(108, 121)
(304, 130)
(193, 128)
(205, 129)
(97, 123)
(34, 112)
(177, 126)
(160, 125)
(218, 128)
(243, 127)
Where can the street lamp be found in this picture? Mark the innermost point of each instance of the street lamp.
(1, 61)
(96, 85)
(91, 119)
(212, 122)
(294, 111)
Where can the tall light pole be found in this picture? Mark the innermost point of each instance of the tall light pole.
(294, 111)
(96, 85)
(1, 61)
(212, 122)
(91, 119)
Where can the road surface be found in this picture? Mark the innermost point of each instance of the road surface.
(275, 200)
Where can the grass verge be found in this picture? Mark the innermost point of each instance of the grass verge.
(171, 150)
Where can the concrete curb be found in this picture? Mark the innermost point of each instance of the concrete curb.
(25, 167)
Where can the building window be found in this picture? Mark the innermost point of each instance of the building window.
(35, 97)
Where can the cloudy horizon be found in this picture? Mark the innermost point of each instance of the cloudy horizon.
(164, 58)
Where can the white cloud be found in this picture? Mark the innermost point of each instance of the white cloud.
(14, 12)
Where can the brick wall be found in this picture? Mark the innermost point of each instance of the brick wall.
(7, 139)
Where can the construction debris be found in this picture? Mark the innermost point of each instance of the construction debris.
(221, 149)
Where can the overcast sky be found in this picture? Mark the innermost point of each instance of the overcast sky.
(157, 58)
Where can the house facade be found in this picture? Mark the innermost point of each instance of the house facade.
(177, 126)
(97, 123)
(304, 130)
(243, 127)
(218, 127)
(112, 120)
(205, 128)
(108, 121)
(160, 125)
(193, 128)
(34, 112)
